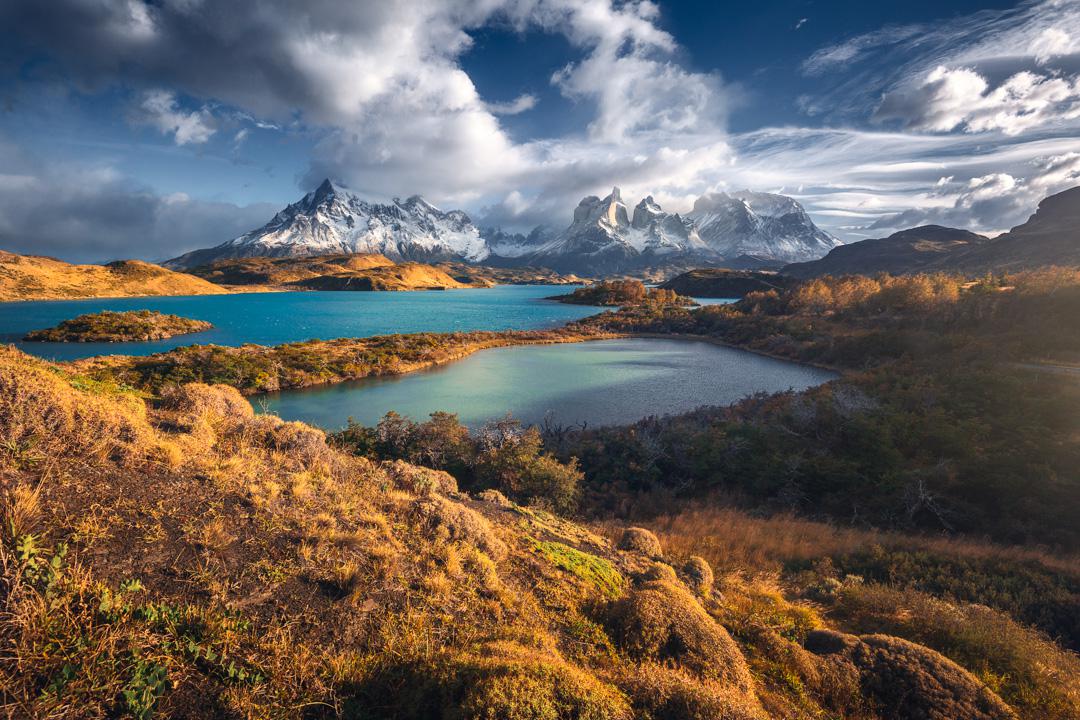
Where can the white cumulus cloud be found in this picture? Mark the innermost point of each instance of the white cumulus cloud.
(948, 99)
(160, 109)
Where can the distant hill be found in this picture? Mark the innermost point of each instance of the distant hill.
(907, 251)
(1049, 237)
(33, 277)
(724, 283)
(362, 271)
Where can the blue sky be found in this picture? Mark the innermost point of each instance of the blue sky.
(135, 129)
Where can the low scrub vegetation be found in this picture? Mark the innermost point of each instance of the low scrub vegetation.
(128, 326)
(625, 293)
(947, 420)
(501, 455)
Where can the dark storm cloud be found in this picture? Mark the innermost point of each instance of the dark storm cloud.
(94, 215)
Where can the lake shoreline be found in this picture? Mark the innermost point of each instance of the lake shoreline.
(595, 381)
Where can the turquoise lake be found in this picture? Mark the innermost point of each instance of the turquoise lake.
(598, 383)
(601, 382)
(275, 318)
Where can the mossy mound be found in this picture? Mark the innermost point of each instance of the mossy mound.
(904, 680)
(699, 575)
(659, 692)
(453, 521)
(662, 622)
(641, 541)
(420, 480)
(512, 682)
(595, 571)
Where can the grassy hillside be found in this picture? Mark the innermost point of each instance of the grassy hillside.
(31, 277)
(187, 558)
(281, 271)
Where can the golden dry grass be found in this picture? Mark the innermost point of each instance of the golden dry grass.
(731, 539)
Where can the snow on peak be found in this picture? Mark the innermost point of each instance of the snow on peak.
(331, 220)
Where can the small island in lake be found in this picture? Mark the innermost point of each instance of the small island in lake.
(620, 293)
(130, 326)
(725, 283)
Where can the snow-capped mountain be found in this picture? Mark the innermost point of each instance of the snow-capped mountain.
(334, 220)
(601, 239)
(659, 232)
(508, 247)
(759, 226)
(762, 225)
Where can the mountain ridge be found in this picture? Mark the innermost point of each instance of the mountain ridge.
(603, 236)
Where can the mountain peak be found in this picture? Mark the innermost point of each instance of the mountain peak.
(326, 189)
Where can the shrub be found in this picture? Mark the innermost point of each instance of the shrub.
(502, 456)
(514, 462)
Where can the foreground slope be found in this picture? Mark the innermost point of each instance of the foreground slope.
(32, 277)
(187, 558)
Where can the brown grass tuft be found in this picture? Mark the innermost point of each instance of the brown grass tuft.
(456, 522)
(660, 692)
(641, 541)
(906, 680)
(420, 480)
(662, 622)
(42, 417)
